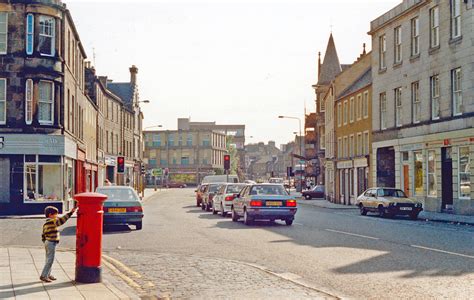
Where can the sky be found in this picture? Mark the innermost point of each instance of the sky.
(233, 62)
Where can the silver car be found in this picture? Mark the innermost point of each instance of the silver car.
(225, 196)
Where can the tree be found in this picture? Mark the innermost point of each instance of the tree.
(234, 158)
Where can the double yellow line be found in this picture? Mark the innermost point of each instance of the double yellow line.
(126, 274)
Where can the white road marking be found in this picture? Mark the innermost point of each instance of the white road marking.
(353, 234)
(298, 224)
(442, 251)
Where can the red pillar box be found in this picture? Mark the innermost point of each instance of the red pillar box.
(89, 237)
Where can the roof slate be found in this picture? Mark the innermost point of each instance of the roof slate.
(363, 81)
(122, 89)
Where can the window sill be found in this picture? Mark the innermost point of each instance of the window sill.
(397, 65)
(384, 70)
(414, 58)
(455, 40)
(434, 50)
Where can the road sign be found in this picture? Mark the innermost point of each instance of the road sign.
(157, 172)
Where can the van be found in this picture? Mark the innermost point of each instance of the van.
(220, 179)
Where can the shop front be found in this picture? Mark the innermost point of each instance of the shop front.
(36, 170)
(345, 193)
(110, 164)
(434, 169)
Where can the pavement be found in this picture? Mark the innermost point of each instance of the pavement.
(20, 269)
(424, 215)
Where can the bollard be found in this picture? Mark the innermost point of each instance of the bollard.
(90, 216)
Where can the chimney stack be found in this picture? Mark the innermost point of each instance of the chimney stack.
(133, 74)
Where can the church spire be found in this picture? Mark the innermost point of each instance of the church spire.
(331, 66)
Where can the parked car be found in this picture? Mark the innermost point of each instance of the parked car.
(122, 207)
(315, 192)
(199, 193)
(222, 201)
(208, 196)
(264, 201)
(180, 185)
(388, 202)
(220, 179)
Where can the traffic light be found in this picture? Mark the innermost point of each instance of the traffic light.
(120, 164)
(289, 172)
(143, 169)
(226, 162)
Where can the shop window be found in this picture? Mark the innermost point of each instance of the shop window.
(464, 173)
(43, 181)
(431, 174)
(418, 173)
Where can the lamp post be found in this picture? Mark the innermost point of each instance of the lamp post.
(299, 123)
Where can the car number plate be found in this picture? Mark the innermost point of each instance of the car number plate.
(274, 203)
(405, 208)
(117, 210)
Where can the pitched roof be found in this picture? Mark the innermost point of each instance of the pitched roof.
(331, 66)
(122, 89)
(363, 81)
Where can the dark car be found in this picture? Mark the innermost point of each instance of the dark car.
(181, 185)
(122, 207)
(315, 192)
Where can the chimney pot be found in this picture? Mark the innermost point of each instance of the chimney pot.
(133, 74)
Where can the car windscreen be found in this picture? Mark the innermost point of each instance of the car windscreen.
(213, 188)
(391, 193)
(268, 190)
(119, 194)
(234, 189)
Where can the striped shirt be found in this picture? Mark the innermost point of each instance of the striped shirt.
(50, 228)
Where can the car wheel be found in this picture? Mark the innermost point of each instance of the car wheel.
(214, 211)
(138, 226)
(414, 216)
(382, 212)
(235, 217)
(247, 219)
(307, 197)
(289, 222)
(362, 210)
(224, 214)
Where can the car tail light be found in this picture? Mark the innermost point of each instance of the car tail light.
(229, 198)
(291, 203)
(255, 203)
(135, 209)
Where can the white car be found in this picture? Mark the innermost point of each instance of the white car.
(225, 196)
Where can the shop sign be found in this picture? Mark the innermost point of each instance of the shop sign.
(110, 161)
(360, 163)
(347, 164)
(411, 147)
(157, 172)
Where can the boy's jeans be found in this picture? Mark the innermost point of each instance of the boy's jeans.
(50, 248)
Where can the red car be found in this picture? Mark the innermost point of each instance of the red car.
(180, 185)
(199, 194)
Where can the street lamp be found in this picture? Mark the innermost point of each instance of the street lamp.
(144, 101)
(299, 123)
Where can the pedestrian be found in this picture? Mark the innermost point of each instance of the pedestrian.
(50, 238)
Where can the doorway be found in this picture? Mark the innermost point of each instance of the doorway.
(406, 180)
(446, 178)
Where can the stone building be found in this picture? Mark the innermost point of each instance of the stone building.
(189, 155)
(48, 121)
(352, 128)
(423, 102)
